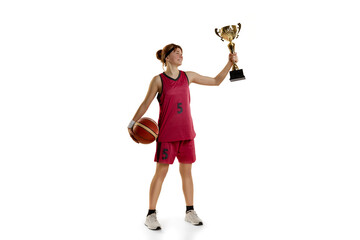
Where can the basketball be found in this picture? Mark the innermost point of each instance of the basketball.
(146, 130)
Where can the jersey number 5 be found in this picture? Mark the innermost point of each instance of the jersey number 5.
(180, 109)
(165, 154)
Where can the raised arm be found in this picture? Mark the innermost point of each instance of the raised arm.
(216, 81)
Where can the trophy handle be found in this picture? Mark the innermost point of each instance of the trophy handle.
(239, 24)
(216, 31)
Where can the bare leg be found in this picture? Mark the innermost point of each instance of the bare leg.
(156, 184)
(187, 183)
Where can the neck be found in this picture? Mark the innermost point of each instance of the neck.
(172, 71)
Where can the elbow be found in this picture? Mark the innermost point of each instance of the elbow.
(217, 81)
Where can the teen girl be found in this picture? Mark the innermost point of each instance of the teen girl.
(176, 131)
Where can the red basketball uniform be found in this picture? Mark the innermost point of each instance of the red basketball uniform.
(175, 121)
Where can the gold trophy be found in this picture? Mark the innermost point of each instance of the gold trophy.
(229, 33)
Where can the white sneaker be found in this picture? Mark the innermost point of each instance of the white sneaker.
(152, 223)
(193, 218)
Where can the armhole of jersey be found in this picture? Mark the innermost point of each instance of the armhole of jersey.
(187, 78)
(162, 88)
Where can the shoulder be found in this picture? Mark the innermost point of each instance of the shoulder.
(156, 82)
(191, 76)
(156, 79)
(189, 73)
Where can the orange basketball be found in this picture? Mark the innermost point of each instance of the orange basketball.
(146, 130)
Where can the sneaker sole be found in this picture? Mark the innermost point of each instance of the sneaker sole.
(195, 224)
(154, 229)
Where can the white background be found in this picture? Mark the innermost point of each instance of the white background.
(278, 154)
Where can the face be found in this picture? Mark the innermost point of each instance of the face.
(175, 57)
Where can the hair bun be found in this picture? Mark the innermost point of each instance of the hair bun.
(158, 54)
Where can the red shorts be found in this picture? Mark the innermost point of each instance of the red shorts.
(183, 150)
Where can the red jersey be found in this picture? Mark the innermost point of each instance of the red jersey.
(175, 121)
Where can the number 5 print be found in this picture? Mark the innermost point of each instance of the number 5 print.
(180, 110)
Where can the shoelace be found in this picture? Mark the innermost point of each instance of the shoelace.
(153, 217)
(193, 212)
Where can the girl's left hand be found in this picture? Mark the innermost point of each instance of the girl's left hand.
(233, 57)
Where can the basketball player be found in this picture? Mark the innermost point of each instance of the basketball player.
(176, 131)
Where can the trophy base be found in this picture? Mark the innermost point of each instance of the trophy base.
(237, 75)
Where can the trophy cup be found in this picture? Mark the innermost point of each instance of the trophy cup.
(229, 33)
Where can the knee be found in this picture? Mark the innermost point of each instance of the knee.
(161, 173)
(185, 173)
